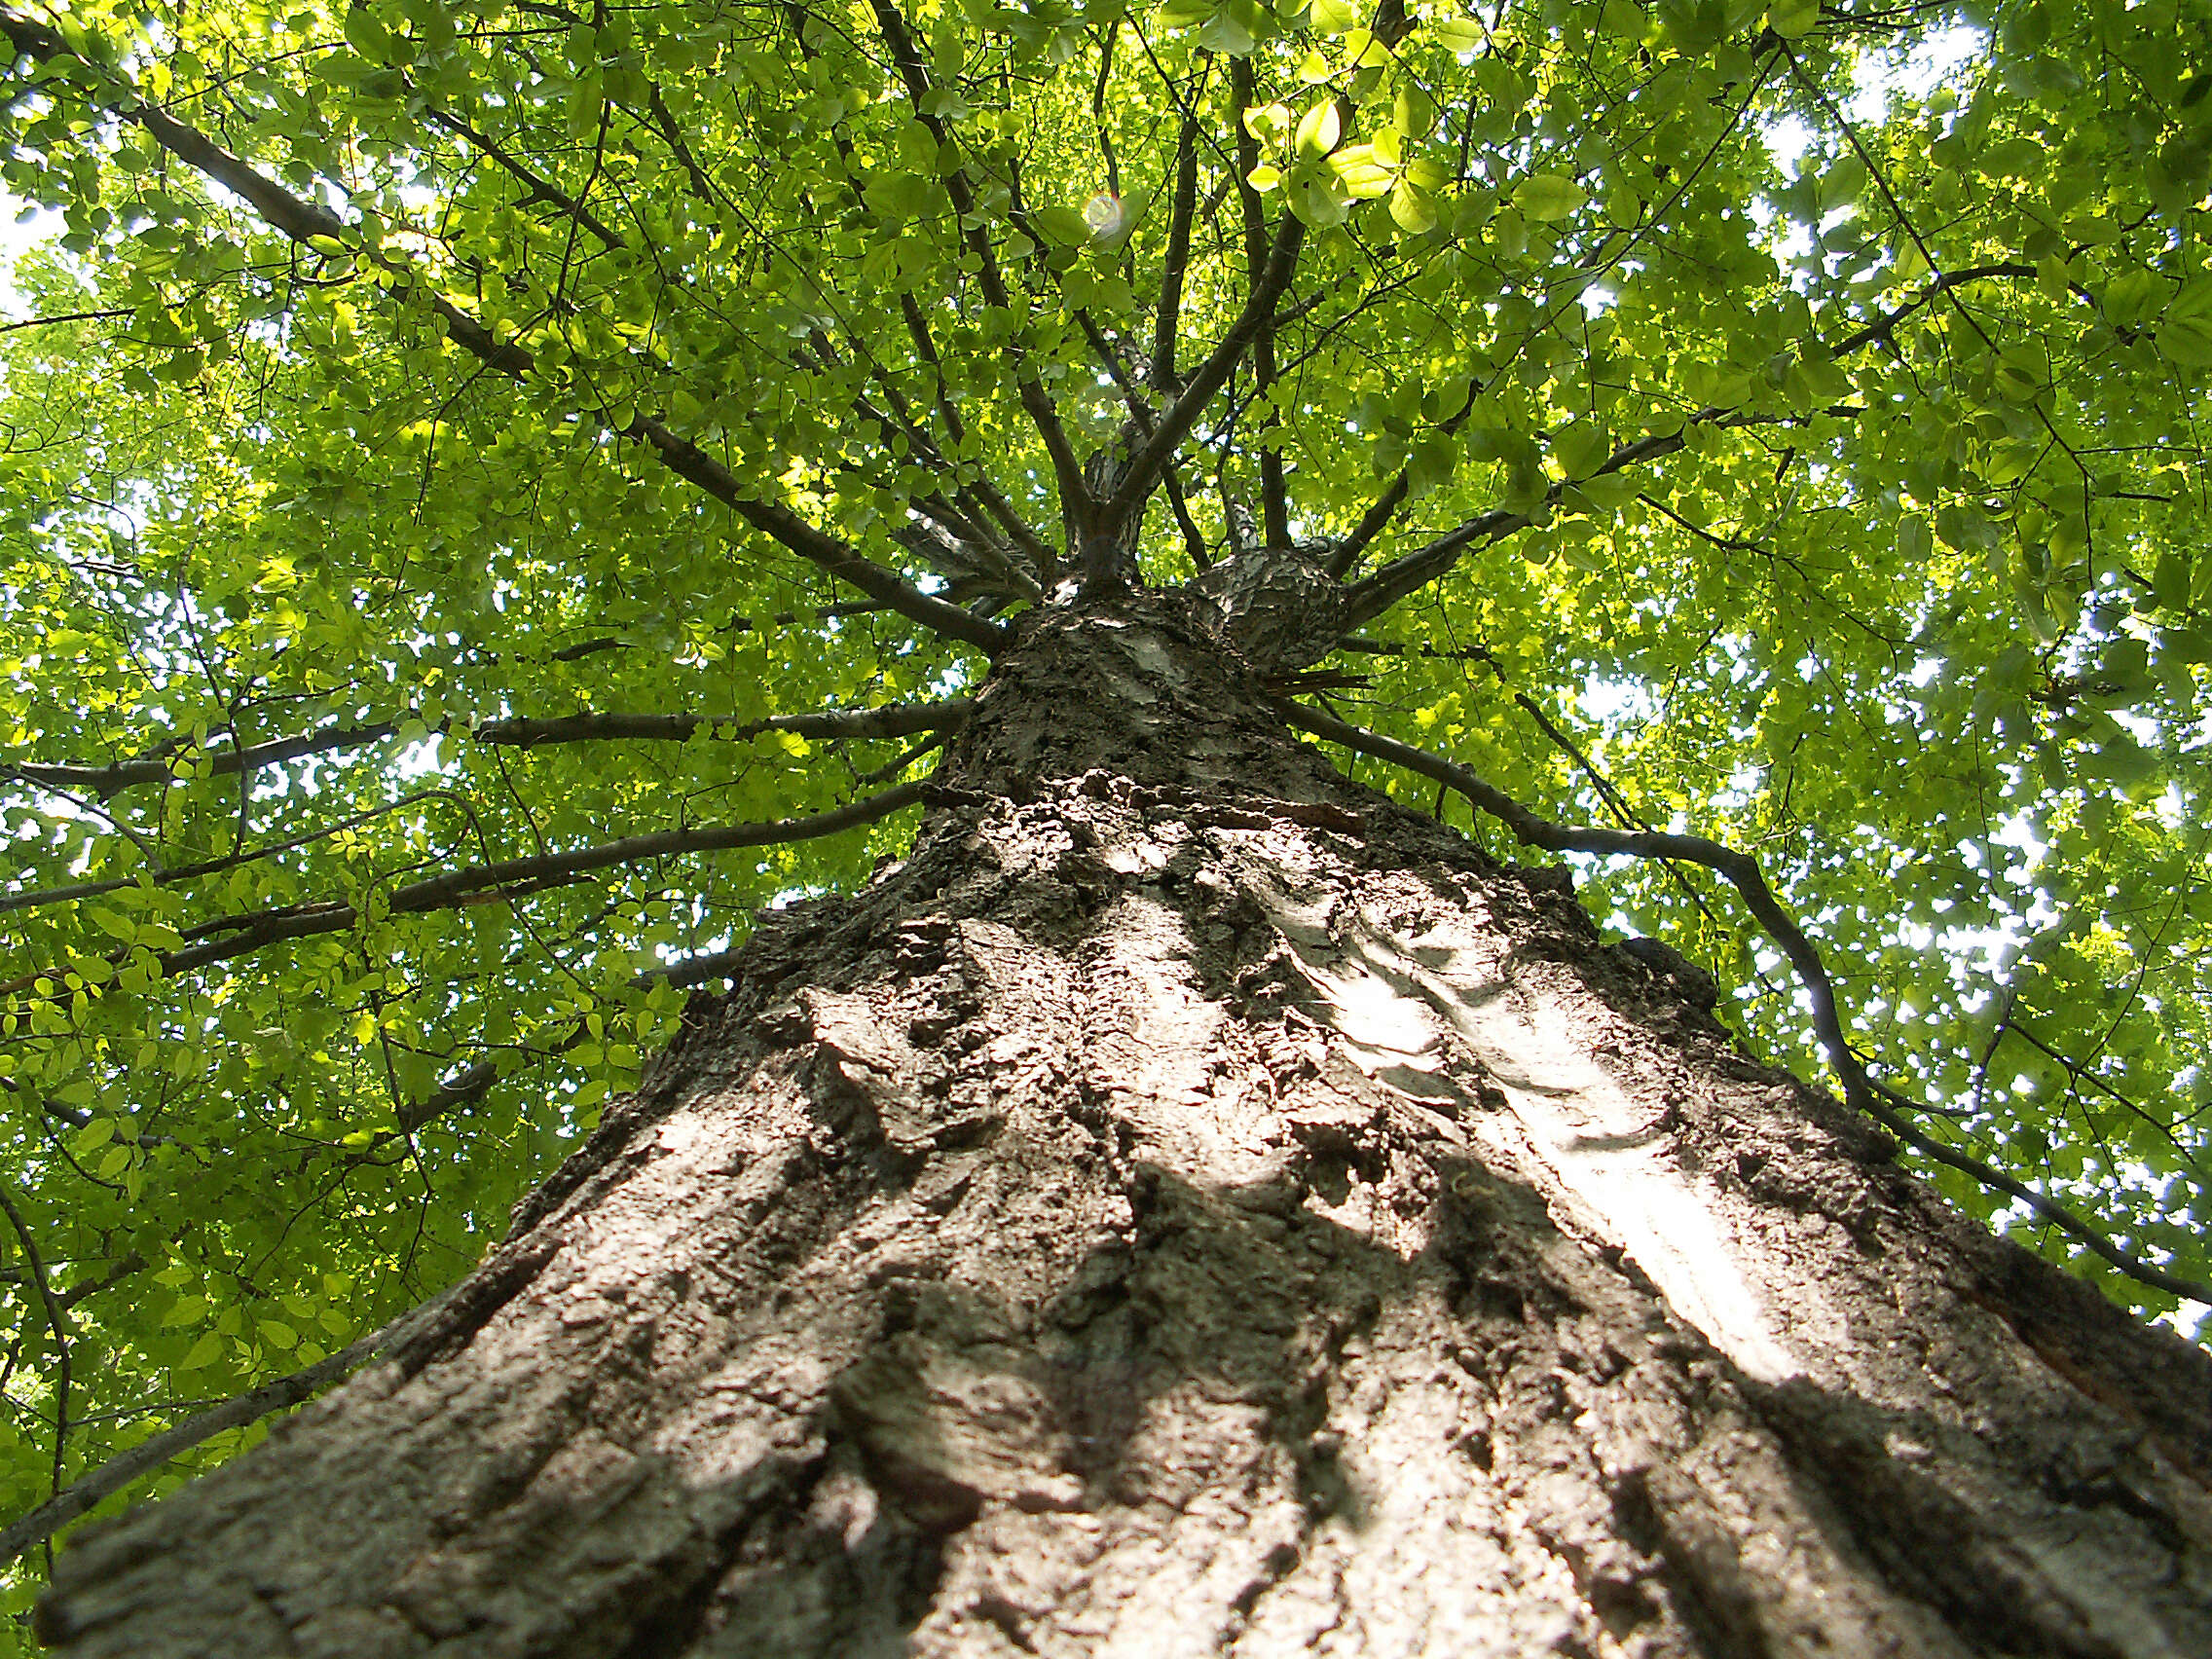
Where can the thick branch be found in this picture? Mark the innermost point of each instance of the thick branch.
(914, 74)
(1168, 318)
(304, 222)
(1345, 557)
(511, 878)
(1194, 539)
(1370, 598)
(1175, 423)
(687, 460)
(1742, 871)
(900, 720)
(82, 1495)
(1275, 498)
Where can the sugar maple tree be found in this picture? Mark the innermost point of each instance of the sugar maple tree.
(497, 493)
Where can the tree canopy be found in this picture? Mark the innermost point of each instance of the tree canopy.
(496, 493)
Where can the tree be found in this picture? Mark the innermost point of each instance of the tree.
(522, 511)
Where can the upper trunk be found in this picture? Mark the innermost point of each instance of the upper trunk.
(1193, 1205)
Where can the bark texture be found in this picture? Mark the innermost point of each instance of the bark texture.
(1194, 1206)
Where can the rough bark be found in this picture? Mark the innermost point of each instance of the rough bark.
(1192, 1206)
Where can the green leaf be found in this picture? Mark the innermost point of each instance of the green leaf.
(1915, 544)
(1791, 18)
(1546, 197)
(2187, 341)
(1624, 20)
(1362, 175)
(367, 35)
(1318, 129)
(1412, 211)
(901, 195)
(1581, 448)
(1313, 199)
(1412, 111)
(1063, 227)
(1226, 32)
(203, 1353)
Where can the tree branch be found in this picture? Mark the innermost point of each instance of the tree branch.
(1168, 317)
(58, 1321)
(536, 189)
(473, 1082)
(1742, 871)
(1067, 469)
(1274, 497)
(1194, 539)
(111, 1477)
(1175, 423)
(503, 879)
(1375, 593)
(896, 720)
(304, 222)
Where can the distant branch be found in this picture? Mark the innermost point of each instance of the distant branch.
(1176, 420)
(535, 188)
(473, 1082)
(913, 75)
(66, 317)
(58, 1322)
(1377, 592)
(1882, 326)
(1346, 555)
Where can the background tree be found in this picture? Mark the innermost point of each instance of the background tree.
(496, 494)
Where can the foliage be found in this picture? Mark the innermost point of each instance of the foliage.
(1724, 420)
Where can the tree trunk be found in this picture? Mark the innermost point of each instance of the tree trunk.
(1193, 1205)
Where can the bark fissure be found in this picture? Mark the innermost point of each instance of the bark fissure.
(1191, 1205)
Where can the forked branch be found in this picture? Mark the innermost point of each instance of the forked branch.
(1175, 421)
